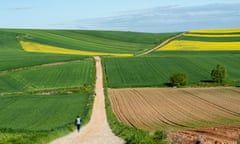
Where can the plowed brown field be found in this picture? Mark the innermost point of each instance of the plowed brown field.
(179, 108)
(213, 135)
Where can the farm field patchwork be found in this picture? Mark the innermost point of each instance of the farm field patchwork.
(12, 55)
(206, 40)
(155, 71)
(40, 93)
(181, 108)
(39, 81)
(93, 41)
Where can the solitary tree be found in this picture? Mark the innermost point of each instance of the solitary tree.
(178, 79)
(219, 73)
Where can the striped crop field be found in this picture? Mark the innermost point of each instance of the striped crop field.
(41, 48)
(211, 35)
(217, 31)
(93, 41)
(167, 108)
(12, 55)
(187, 45)
(206, 40)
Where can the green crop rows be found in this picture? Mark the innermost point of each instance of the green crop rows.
(73, 74)
(155, 71)
(211, 39)
(40, 112)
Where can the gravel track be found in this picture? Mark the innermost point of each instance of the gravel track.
(97, 130)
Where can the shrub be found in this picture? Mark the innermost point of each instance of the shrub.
(218, 74)
(178, 79)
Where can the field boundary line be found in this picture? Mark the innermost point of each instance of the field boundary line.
(39, 65)
(67, 90)
(161, 44)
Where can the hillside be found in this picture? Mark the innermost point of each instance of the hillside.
(92, 41)
(206, 40)
(47, 75)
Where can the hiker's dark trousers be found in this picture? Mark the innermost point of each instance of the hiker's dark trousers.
(78, 127)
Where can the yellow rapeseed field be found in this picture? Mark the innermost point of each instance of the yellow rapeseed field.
(186, 45)
(41, 48)
(232, 30)
(211, 35)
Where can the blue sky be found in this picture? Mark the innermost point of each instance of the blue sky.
(126, 15)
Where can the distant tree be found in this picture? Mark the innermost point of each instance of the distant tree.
(178, 79)
(219, 73)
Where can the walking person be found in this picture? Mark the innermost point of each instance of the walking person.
(78, 123)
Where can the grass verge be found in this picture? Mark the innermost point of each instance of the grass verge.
(22, 136)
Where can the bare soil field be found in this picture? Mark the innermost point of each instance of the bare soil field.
(174, 109)
(213, 135)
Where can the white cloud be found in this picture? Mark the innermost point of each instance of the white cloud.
(169, 18)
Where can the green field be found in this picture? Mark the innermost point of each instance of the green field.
(40, 103)
(39, 118)
(74, 74)
(41, 112)
(211, 39)
(155, 70)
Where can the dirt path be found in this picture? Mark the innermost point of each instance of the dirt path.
(97, 130)
(161, 44)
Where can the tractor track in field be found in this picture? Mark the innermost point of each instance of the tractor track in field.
(161, 44)
(97, 130)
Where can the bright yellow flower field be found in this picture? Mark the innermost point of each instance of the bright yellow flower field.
(235, 30)
(41, 48)
(186, 45)
(211, 35)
